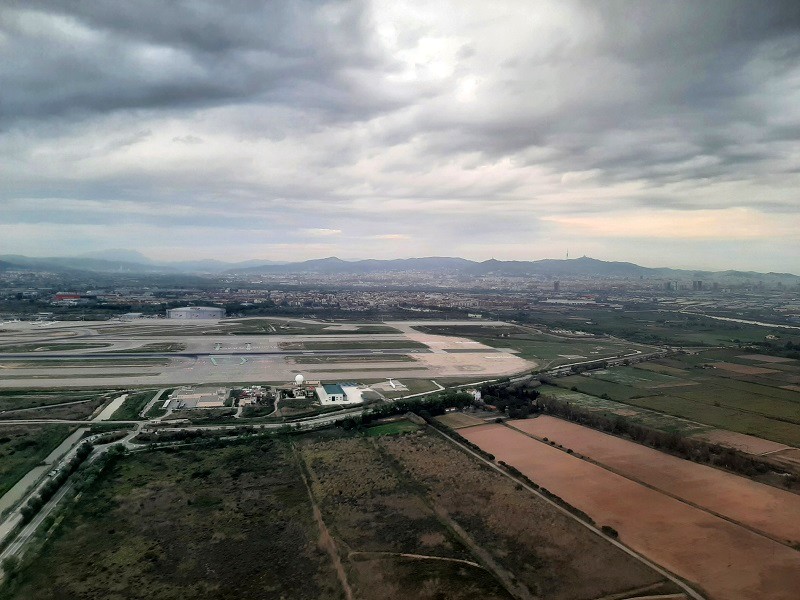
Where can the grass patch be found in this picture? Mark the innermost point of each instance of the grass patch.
(352, 345)
(393, 428)
(22, 447)
(133, 405)
(315, 360)
(154, 347)
(50, 347)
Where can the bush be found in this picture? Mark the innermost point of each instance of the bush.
(609, 531)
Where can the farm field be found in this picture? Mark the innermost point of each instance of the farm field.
(22, 447)
(725, 560)
(649, 326)
(458, 420)
(724, 493)
(636, 414)
(714, 388)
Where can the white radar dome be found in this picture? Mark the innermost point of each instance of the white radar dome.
(299, 379)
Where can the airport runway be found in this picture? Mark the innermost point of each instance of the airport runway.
(141, 355)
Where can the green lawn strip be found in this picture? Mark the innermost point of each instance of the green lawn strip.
(312, 360)
(154, 347)
(393, 428)
(50, 347)
(351, 345)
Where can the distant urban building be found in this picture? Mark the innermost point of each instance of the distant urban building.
(196, 312)
(697, 286)
(556, 286)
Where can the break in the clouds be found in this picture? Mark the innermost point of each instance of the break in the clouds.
(662, 133)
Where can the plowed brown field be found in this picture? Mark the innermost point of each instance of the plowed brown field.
(729, 495)
(726, 560)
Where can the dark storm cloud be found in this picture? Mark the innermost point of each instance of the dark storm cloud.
(85, 57)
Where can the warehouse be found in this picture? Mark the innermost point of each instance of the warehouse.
(196, 312)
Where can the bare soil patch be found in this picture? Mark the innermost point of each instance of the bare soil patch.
(742, 369)
(766, 358)
(460, 420)
(726, 560)
(723, 493)
(741, 441)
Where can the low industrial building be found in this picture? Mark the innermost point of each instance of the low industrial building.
(340, 393)
(187, 397)
(196, 312)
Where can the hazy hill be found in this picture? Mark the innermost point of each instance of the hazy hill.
(127, 261)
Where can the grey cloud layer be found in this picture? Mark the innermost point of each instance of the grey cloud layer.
(439, 120)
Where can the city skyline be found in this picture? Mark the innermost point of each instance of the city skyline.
(659, 134)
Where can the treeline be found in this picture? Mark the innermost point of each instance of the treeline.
(671, 442)
(545, 492)
(49, 489)
(515, 398)
(431, 405)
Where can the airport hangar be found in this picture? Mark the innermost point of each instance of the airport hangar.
(196, 312)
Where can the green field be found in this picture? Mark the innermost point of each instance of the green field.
(72, 363)
(22, 447)
(351, 345)
(393, 428)
(689, 386)
(655, 326)
(315, 360)
(154, 347)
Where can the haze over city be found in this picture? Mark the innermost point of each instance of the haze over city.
(659, 133)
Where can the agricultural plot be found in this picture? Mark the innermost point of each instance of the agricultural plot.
(709, 488)
(458, 420)
(724, 559)
(634, 413)
(708, 390)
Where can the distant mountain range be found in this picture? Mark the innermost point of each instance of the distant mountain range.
(128, 261)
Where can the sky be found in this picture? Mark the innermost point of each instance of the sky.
(661, 133)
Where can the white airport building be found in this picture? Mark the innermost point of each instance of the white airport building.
(196, 312)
